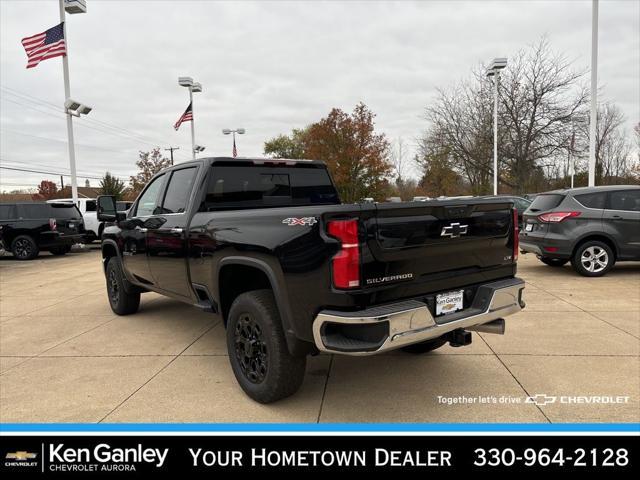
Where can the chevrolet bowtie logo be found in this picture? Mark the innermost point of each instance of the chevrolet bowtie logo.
(454, 230)
(541, 399)
(20, 455)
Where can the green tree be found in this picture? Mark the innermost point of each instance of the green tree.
(148, 165)
(111, 185)
(287, 146)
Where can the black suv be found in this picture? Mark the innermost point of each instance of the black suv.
(28, 228)
(593, 227)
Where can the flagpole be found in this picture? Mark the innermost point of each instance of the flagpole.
(67, 95)
(193, 120)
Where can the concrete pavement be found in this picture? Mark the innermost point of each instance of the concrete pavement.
(65, 357)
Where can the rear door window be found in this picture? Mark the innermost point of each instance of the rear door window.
(179, 190)
(625, 200)
(592, 200)
(91, 206)
(546, 202)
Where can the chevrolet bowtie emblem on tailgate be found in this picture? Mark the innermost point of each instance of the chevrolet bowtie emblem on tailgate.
(454, 230)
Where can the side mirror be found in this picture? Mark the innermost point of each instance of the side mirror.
(107, 211)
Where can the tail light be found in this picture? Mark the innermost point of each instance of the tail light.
(346, 263)
(52, 224)
(557, 217)
(516, 234)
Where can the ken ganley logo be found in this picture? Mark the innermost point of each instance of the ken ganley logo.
(20, 458)
(103, 458)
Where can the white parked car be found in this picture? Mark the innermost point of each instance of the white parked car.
(88, 208)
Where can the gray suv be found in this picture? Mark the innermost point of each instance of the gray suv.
(592, 227)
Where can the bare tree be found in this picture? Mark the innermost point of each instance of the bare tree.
(398, 159)
(540, 99)
(613, 148)
(461, 121)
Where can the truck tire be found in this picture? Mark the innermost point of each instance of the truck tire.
(425, 347)
(59, 250)
(24, 247)
(593, 259)
(258, 351)
(122, 302)
(554, 262)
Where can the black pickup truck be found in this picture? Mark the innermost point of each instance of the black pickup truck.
(267, 245)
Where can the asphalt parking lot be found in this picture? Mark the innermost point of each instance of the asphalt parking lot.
(65, 357)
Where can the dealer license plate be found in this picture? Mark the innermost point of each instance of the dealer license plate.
(449, 302)
(529, 227)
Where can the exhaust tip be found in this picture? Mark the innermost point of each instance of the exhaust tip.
(496, 327)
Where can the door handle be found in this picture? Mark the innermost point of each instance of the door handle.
(176, 230)
(617, 217)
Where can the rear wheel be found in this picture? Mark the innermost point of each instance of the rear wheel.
(425, 347)
(24, 247)
(258, 351)
(593, 259)
(553, 262)
(122, 301)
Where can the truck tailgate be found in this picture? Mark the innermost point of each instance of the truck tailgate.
(440, 244)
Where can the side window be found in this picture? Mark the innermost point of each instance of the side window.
(592, 200)
(626, 200)
(7, 212)
(91, 206)
(149, 199)
(34, 210)
(179, 190)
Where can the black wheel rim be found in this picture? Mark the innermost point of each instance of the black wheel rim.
(114, 288)
(23, 248)
(250, 349)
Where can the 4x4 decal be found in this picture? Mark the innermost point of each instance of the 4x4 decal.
(293, 221)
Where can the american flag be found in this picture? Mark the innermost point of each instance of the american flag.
(45, 45)
(187, 116)
(235, 150)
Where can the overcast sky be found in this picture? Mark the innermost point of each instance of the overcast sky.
(269, 67)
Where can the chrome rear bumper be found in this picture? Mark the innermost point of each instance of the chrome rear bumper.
(387, 327)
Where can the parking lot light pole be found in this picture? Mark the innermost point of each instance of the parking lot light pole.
(239, 131)
(194, 87)
(494, 71)
(594, 93)
(78, 7)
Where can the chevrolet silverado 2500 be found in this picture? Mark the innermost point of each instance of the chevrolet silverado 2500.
(267, 245)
